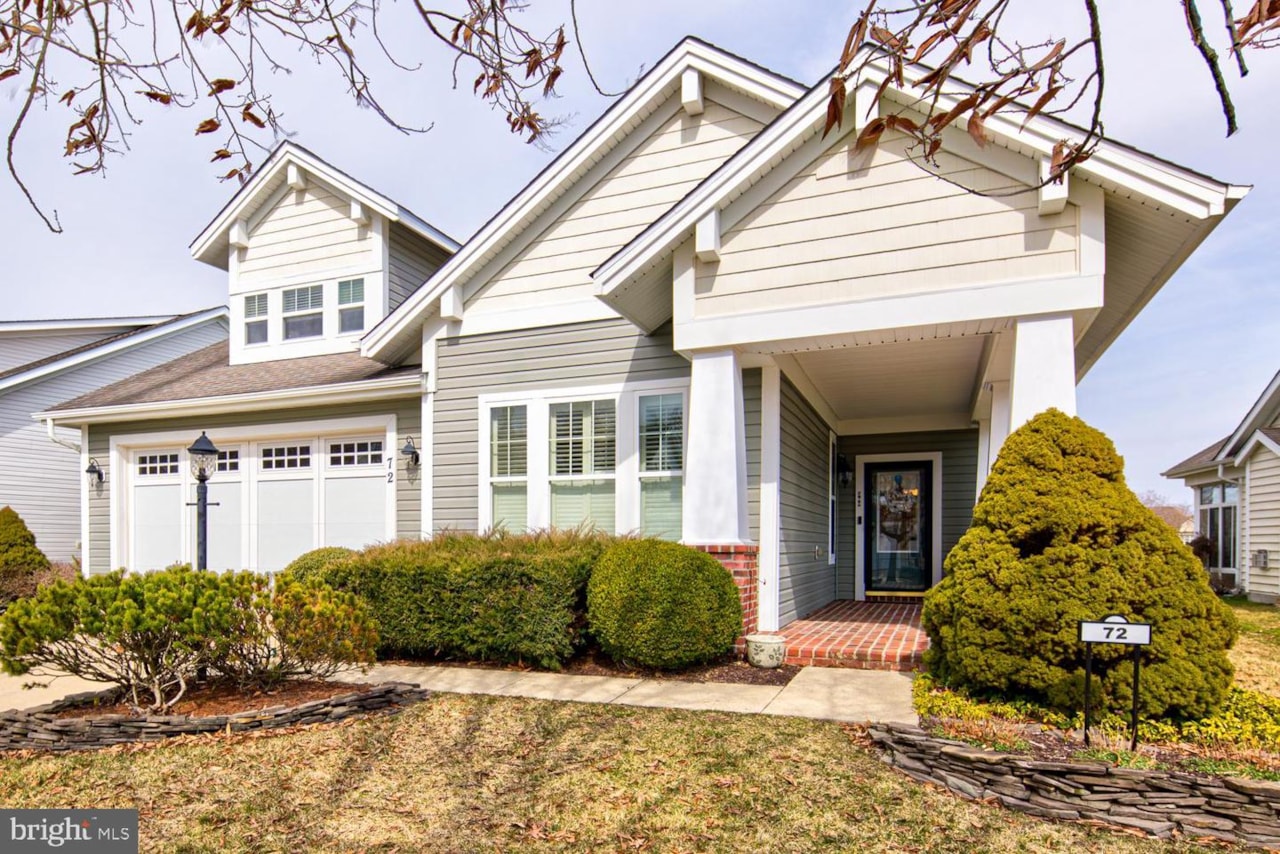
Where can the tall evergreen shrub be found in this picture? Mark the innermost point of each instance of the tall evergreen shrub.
(1058, 537)
(20, 559)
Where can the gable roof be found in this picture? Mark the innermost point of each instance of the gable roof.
(212, 244)
(1199, 461)
(207, 375)
(104, 347)
(1256, 423)
(78, 324)
(1113, 166)
(399, 331)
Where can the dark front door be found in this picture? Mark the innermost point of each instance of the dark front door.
(898, 533)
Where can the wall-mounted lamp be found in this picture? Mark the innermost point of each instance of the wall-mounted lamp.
(94, 472)
(844, 471)
(411, 451)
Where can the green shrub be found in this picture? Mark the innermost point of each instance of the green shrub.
(150, 633)
(1057, 537)
(313, 563)
(664, 605)
(498, 597)
(21, 561)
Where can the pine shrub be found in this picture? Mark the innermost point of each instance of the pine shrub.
(21, 561)
(659, 604)
(1058, 537)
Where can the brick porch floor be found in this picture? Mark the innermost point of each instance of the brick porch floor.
(863, 635)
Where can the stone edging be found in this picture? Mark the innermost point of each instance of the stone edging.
(1157, 802)
(39, 728)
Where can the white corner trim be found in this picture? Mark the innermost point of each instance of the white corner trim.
(85, 548)
(691, 91)
(860, 512)
(706, 239)
(1053, 194)
(427, 468)
(770, 590)
(808, 390)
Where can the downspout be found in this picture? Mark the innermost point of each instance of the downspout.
(75, 446)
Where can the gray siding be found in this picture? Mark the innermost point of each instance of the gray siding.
(411, 261)
(41, 480)
(16, 350)
(600, 352)
(408, 414)
(751, 410)
(806, 579)
(959, 449)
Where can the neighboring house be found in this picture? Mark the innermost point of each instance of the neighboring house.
(44, 362)
(1236, 484)
(703, 321)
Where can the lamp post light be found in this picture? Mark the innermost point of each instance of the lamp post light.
(204, 456)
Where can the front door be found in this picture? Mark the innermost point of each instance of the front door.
(898, 533)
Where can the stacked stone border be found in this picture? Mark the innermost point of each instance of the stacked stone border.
(40, 728)
(1159, 803)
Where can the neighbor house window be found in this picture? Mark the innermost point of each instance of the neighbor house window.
(355, 452)
(1217, 505)
(286, 457)
(509, 466)
(661, 440)
(303, 316)
(255, 319)
(351, 305)
(584, 437)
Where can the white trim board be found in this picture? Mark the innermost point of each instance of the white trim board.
(859, 544)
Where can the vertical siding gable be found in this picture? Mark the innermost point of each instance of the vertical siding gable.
(873, 224)
(557, 264)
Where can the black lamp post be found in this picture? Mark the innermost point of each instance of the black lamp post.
(204, 456)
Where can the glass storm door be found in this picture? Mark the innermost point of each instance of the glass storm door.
(898, 533)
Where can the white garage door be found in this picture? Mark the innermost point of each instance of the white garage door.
(156, 531)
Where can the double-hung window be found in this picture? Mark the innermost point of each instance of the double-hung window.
(350, 305)
(509, 466)
(1217, 504)
(660, 436)
(584, 440)
(303, 312)
(255, 319)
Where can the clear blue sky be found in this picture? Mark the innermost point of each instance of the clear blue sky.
(1180, 377)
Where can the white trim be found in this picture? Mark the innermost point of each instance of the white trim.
(956, 305)
(770, 497)
(691, 91)
(648, 93)
(1044, 368)
(706, 237)
(1053, 194)
(537, 403)
(123, 446)
(984, 457)
(361, 391)
(42, 327)
(1261, 411)
(534, 317)
(85, 486)
(715, 494)
(111, 348)
(1258, 438)
(860, 462)
(903, 424)
(791, 366)
(833, 501)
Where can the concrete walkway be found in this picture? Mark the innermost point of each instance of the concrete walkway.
(825, 693)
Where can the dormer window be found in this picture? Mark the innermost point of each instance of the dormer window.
(303, 315)
(350, 306)
(255, 319)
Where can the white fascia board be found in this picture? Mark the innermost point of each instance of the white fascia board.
(27, 327)
(110, 349)
(339, 393)
(1263, 410)
(657, 84)
(1257, 439)
(1010, 299)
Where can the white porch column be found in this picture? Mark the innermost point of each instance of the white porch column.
(1044, 368)
(715, 472)
(770, 496)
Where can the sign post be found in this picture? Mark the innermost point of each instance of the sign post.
(1114, 629)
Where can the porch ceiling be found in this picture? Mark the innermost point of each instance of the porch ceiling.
(896, 380)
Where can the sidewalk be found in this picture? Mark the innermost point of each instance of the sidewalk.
(827, 693)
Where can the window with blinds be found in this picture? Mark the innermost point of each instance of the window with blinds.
(255, 319)
(661, 445)
(303, 312)
(350, 305)
(584, 439)
(509, 466)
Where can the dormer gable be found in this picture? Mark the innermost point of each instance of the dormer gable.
(314, 258)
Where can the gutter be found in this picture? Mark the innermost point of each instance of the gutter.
(75, 446)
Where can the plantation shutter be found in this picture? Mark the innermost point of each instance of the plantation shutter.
(584, 438)
(509, 467)
(661, 441)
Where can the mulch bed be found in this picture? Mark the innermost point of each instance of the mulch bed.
(220, 698)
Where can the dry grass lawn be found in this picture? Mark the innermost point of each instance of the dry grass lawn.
(466, 773)
(1256, 655)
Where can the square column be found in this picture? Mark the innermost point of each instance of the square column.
(1044, 370)
(715, 469)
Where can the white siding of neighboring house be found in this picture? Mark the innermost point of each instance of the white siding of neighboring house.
(847, 229)
(18, 350)
(556, 266)
(1263, 520)
(41, 480)
(304, 232)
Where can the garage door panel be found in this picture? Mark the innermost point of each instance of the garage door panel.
(355, 511)
(286, 522)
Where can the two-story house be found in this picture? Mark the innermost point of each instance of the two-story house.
(704, 320)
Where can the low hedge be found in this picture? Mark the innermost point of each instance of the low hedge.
(499, 597)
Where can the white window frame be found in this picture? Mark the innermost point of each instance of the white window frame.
(1216, 507)
(538, 406)
(341, 306)
(356, 469)
(123, 449)
(488, 482)
(318, 311)
(684, 446)
(263, 317)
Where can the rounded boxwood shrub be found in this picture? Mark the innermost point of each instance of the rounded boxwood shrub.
(312, 564)
(1058, 537)
(659, 604)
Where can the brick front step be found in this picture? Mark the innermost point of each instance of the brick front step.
(903, 662)
(872, 635)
